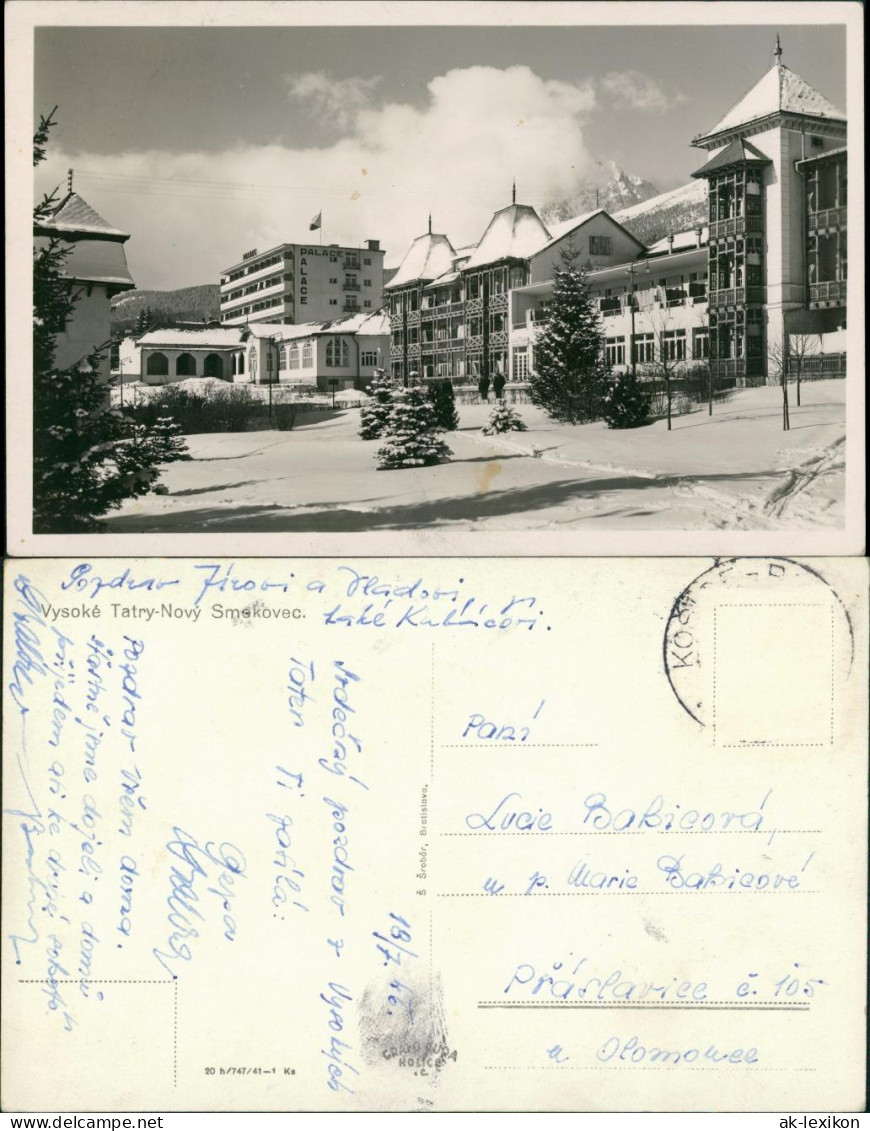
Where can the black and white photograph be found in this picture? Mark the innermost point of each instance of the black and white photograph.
(433, 279)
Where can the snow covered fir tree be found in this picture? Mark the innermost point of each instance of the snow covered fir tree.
(503, 418)
(87, 457)
(570, 378)
(443, 400)
(375, 412)
(626, 403)
(411, 433)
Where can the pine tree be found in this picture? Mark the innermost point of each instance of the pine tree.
(375, 413)
(569, 377)
(503, 418)
(87, 457)
(411, 439)
(443, 400)
(626, 402)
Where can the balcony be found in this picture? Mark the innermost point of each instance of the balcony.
(827, 220)
(350, 263)
(608, 306)
(351, 308)
(818, 366)
(737, 296)
(474, 306)
(827, 294)
(734, 226)
(349, 286)
(498, 301)
(539, 315)
(413, 317)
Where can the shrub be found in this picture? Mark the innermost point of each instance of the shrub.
(627, 402)
(503, 418)
(443, 400)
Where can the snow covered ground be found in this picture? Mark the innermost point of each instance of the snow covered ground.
(734, 470)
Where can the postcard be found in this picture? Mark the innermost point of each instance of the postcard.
(412, 835)
(398, 278)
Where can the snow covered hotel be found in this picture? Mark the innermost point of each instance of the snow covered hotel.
(302, 283)
(757, 282)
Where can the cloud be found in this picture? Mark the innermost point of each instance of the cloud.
(454, 156)
(336, 101)
(638, 91)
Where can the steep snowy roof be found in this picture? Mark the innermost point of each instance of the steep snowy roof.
(200, 339)
(73, 214)
(565, 227)
(429, 256)
(737, 152)
(515, 232)
(780, 89)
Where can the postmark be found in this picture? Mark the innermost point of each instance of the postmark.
(688, 643)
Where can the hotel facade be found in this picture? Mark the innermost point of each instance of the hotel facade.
(760, 284)
(302, 283)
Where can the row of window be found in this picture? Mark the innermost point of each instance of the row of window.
(294, 356)
(673, 347)
(260, 285)
(251, 268)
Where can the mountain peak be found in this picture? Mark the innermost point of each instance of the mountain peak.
(620, 190)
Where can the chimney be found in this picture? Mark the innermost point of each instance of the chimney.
(699, 232)
(671, 244)
(373, 245)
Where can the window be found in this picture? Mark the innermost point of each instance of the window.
(333, 280)
(367, 282)
(307, 355)
(333, 302)
(521, 363)
(337, 353)
(185, 365)
(157, 365)
(674, 345)
(644, 347)
(282, 358)
(367, 262)
(614, 351)
(252, 364)
(700, 343)
(601, 245)
(368, 357)
(367, 303)
(517, 277)
(269, 360)
(293, 356)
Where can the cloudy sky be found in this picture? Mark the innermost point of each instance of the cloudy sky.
(205, 142)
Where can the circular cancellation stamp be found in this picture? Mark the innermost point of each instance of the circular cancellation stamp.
(762, 582)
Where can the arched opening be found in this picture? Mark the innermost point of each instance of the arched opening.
(213, 366)
(157, 365)
(185, 365)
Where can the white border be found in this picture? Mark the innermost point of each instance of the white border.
(24, 15)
